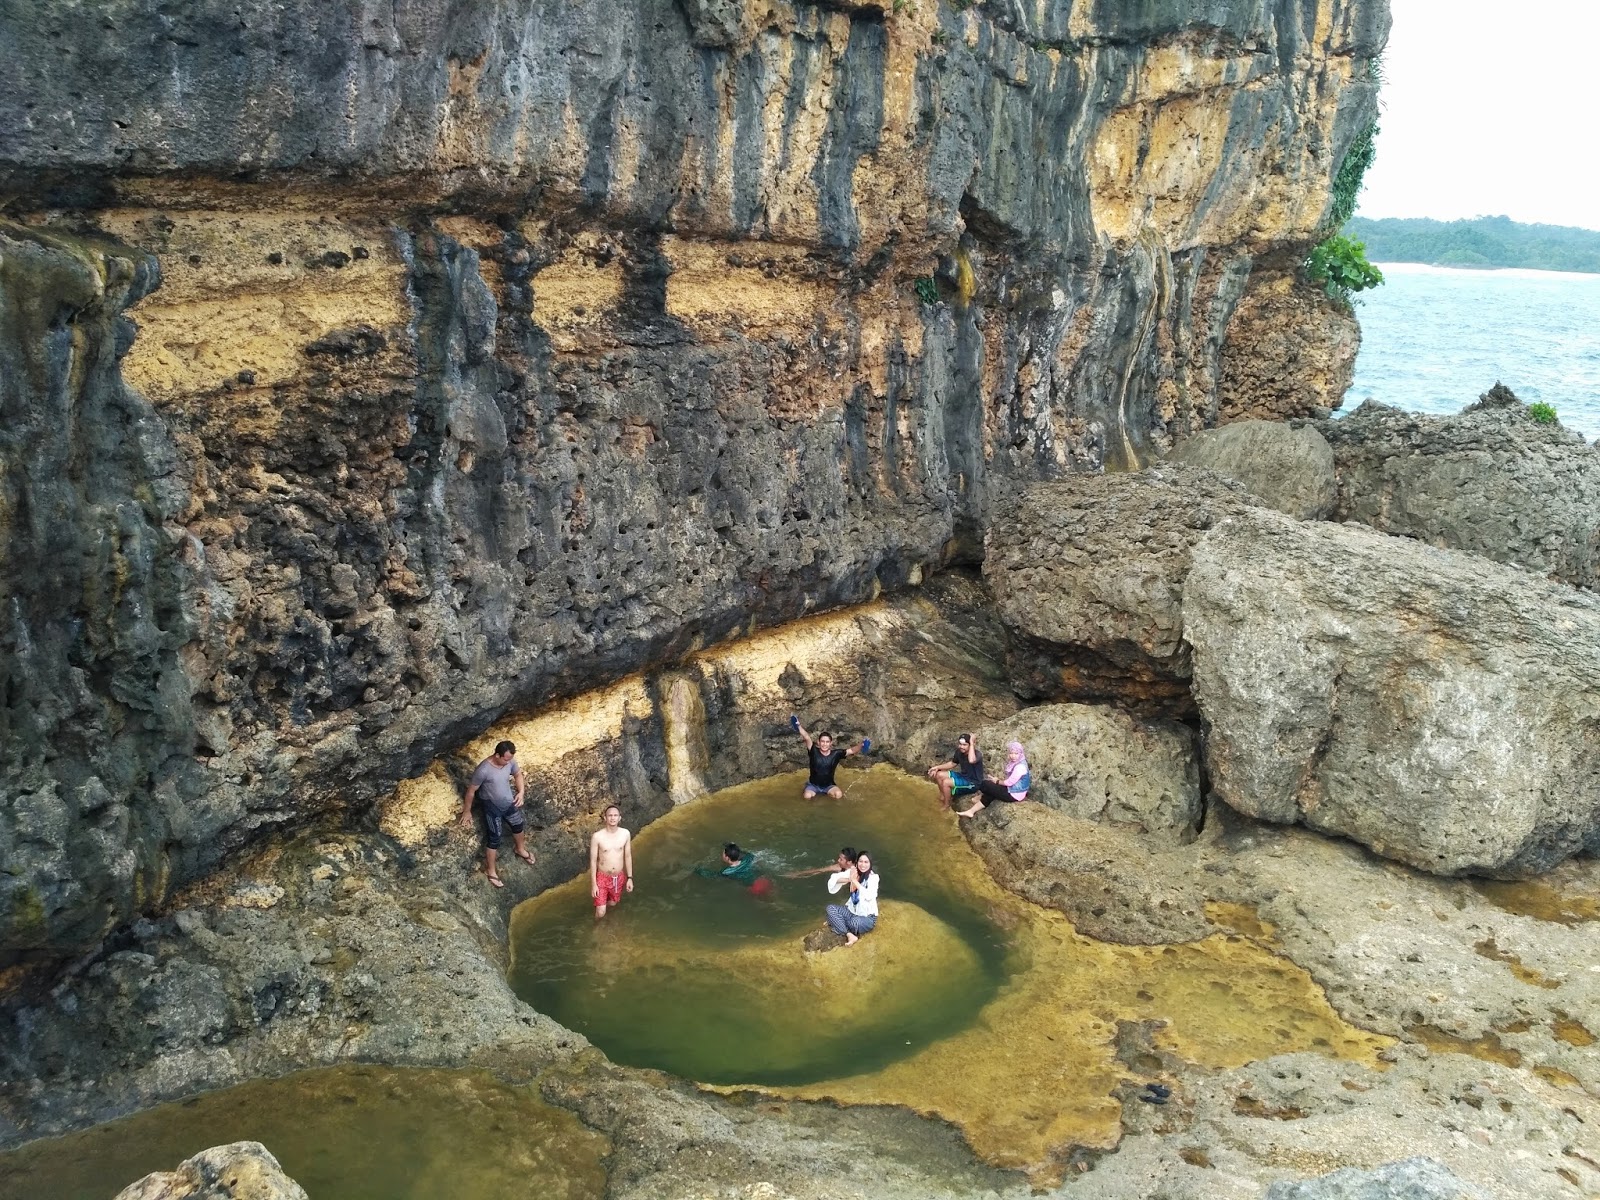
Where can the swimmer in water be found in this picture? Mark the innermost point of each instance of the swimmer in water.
(739, 866)
(841, 863)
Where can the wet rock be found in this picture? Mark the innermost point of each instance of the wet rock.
(1286, 467)
(1087, 574)
(1489, 480)
(1443, 710)
(1113, 884)
(1101, 764)
(1410, 1179)
(237, 1171)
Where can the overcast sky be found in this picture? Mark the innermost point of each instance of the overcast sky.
(1490, 108)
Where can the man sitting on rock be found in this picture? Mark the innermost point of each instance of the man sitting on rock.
(962, 774)
(825, 759)
(494, 781)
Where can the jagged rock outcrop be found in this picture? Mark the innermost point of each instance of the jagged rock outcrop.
(1088, 573)
(1490, 480)
(1289, 350)
(237, 1171)
(1287, 467)
(504, 349)
(1101, 764)
(1441, 709)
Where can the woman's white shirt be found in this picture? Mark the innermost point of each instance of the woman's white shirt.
(837, 881)
(865, 902)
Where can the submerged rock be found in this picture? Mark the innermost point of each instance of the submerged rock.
(1440, 709)
(237, 1171)
(1410, 1179)
(1088, 577)
(1100, 764)
(1490, 480)
(1288, 467)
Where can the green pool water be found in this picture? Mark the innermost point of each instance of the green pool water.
(343, 1133)
(707, 980)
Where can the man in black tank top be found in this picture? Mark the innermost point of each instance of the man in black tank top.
(825, 758)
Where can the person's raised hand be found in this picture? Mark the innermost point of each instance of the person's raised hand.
(794, 722)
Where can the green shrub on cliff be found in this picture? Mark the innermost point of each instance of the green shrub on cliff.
(1340, 265)
(1543, 413)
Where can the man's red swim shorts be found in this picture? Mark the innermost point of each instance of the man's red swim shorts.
(609, 891)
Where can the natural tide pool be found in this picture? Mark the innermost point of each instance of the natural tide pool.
(966, 1003)
(342, 1133)
(707, 979)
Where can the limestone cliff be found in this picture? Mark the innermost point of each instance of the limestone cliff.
(504, 347)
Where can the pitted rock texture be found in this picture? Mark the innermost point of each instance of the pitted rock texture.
(237, 1171)
(508, 348)
(1410, 1179)
(1441, 709)
(1287, 467)
(1289, 350)
(1490, 480)
(1114, 884)
(1100, 764)
(1088, 573)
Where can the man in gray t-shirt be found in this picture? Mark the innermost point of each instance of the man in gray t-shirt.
(499, 783)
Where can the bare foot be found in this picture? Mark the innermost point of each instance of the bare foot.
(850, 939)
(967, 812)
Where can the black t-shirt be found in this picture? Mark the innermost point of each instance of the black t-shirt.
(971, 771)
(822, 766)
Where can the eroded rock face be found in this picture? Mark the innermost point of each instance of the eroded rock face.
(1088, 573)
(1100, 764)
(1490, 480)
(1290, 351)
(1436, 707)
(237, 1171)
(505, 349)
(1287, 467)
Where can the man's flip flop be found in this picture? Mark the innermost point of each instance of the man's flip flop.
(527, 858)
(496, 880)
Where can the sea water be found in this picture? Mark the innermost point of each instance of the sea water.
(1434, 338)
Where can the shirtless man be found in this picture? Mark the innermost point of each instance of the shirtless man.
(499, 783)
(610, 862)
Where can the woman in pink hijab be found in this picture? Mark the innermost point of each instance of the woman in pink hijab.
(1014, 786)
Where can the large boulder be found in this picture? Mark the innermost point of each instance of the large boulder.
(1438, 708)
(1100, 764)
(1289, 349)
(1490, 480)
(1113, 884)
(1410, 1179)
(1288, 467)
(1087, 576)
(237, 1171)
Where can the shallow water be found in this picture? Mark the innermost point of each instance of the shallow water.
(706, 979)
(1029, 1063)
(343, 1133)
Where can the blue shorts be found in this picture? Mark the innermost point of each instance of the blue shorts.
(960, 786)
(493, 818)
(816, 789)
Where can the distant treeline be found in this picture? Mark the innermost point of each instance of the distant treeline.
(1480, 242)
